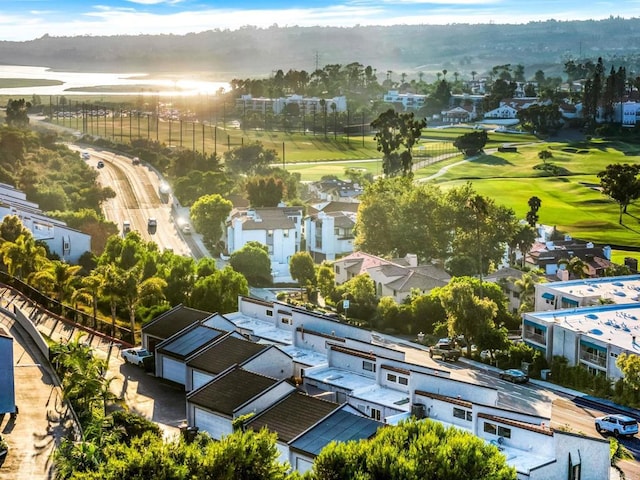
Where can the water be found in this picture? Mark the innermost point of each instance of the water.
(79, 81)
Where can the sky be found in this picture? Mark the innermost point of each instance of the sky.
(29, 19)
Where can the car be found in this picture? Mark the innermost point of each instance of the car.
(100, 164)
(514, 375)
(135, 161)
(85, 155)
(186, 229)
(126, 227)
(617, 424)
(152, 225)
(135, 355)
(445, 349)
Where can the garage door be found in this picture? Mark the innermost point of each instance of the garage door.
(173, 370)
(214, 425)
(200, 378)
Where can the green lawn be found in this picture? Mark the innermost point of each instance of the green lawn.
(571, 202)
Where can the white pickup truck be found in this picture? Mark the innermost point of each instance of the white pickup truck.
(135, 355)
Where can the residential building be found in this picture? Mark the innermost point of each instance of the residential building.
(395, 278)
(550, 256)
(459, 114)
(593, 337)
(168, 324)
(209, 362)
(342, 425)
(501, 112)
(308, 105)
(68, 243)
(290, 417)
(329, 235)
(408, 101)
(587, 292)
(335, 190)
(279, 228)
(171, 354)
(213, 407)
(7, 376)
(507, 277)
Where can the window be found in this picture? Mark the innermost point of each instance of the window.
(269, 313)
(574, 473)
(368, 366)
(504, 432)
(469, 416)
(285, 233)
(286, 321)
(391, 377)
(459, 413)
(375, 414)
(403, 380)
(490, 428)
(269, 233)
(337, 269)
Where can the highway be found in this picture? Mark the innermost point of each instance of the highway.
(136, 199)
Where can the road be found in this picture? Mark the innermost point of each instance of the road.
(137, 199)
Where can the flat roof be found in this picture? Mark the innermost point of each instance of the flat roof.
(261, 328)
(304, 355)
(339, 377)
(609, 324)
(624, 289)
(385, 396)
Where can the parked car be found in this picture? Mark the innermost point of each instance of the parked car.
(186, 229)
(617, 424)
(126, 227)
(135, 355)
(85, 155)
(135, 161)
(100, 164)
(514, 375)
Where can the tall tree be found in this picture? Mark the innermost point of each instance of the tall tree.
(621, 183)
(471, 143)
(265, 191)
(17, 113)
(219, 291)
(467, 314)
(303, 270)
(208, 214)
(249, 159)
(394, 132)
(253, 261)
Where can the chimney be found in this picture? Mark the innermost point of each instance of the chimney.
(412, 259)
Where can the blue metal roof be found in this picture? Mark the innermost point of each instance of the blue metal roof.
(341, 426)
(191, 341)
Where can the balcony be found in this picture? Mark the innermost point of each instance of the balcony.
(535, 337)
(593, 358)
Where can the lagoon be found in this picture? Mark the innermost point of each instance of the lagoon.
(81, 83)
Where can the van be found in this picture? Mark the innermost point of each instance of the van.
(126, 227)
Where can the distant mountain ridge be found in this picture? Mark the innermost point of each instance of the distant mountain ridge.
(251, 51)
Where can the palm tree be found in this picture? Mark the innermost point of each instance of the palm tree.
(137, 291)
(576, 267)
(23, 257)
(473, 75)
(114, 289)
(526, 285)
(61, 279)
(89, 291)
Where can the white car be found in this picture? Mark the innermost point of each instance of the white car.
(135, 355)
(617, 424)
(85, 155)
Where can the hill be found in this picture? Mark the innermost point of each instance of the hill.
(251, 51)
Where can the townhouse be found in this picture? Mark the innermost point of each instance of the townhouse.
(343, 383)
